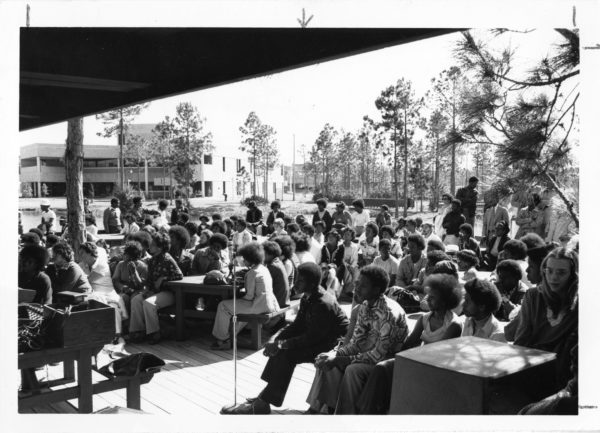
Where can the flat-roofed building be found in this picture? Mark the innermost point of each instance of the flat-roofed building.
(42, 167)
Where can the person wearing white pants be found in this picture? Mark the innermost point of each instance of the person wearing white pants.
(259, 297)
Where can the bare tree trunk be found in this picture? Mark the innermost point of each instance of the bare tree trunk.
(121, 144)
(562, 195)
(164, 181)
(396, 198)
(405, 213)
(74, 182)
(254, 168)
(436, 191)
(267, 176)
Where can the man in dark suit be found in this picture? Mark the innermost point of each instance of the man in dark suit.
(468, 199)
(319, 324)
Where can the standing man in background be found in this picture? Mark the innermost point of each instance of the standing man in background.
(112, 217)
(468, 199)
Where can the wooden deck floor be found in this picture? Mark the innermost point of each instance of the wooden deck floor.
(195, 378)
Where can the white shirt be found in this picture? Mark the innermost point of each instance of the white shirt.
(241, 238)
(491, 329)
(351, 254)
(390, 265)
(305, 257)
(315, 249)
(101, 280)
(432, 236)
(47, 216)
(320, 238)
(360, 219)
(129, 228)
(161, 220)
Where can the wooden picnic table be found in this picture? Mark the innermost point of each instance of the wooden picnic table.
(456, 376)
(113, 239)
(194, 284)
(83, 391)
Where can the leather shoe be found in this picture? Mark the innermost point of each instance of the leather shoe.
(258, 407)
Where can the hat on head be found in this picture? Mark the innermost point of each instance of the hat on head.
(45, 202)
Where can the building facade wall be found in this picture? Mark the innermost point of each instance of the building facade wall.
(218, 175)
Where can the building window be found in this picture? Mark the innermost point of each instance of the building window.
(238, 164)
(208, 189)
(208, 159)
(274, 187)
(223, 163)
(28, 162)
(108, 163)
(52, 162)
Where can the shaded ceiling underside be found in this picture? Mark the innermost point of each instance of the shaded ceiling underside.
(73, 72)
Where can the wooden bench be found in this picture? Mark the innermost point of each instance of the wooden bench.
(130, 383)
(256, 322)
(111, 383)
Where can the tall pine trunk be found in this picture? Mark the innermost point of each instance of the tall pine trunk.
(74, 182)
(405, 213)
(436, 191)
(396, 198)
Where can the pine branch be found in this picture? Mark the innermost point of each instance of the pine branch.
(563, 115)
(539, 83)
(559, 150)
(556, 92)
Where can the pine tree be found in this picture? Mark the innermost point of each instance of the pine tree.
(527, 120)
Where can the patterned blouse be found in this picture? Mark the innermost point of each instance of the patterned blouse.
(163, 265)
(379, 333)
(409, 270)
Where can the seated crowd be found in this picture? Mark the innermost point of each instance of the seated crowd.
(522, 291)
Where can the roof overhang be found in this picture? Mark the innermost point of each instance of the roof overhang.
(74, 72)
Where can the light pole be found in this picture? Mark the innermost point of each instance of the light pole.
(294, 169)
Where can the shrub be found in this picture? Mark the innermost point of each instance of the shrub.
(317, 196)
(255, 198)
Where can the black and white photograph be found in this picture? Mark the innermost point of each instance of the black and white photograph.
(263, 216)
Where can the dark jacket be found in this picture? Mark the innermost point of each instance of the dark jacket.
(40, 282)
(452, 222)
(320, 321)
(271, 218)
(176, 212)
(468, 198)
(327, 254)
(327, 219)
(281, 286)
(503, 240)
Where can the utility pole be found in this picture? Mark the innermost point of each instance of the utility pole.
(293, 169)
(304, 163)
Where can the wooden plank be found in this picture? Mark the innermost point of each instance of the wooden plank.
(215, 380)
